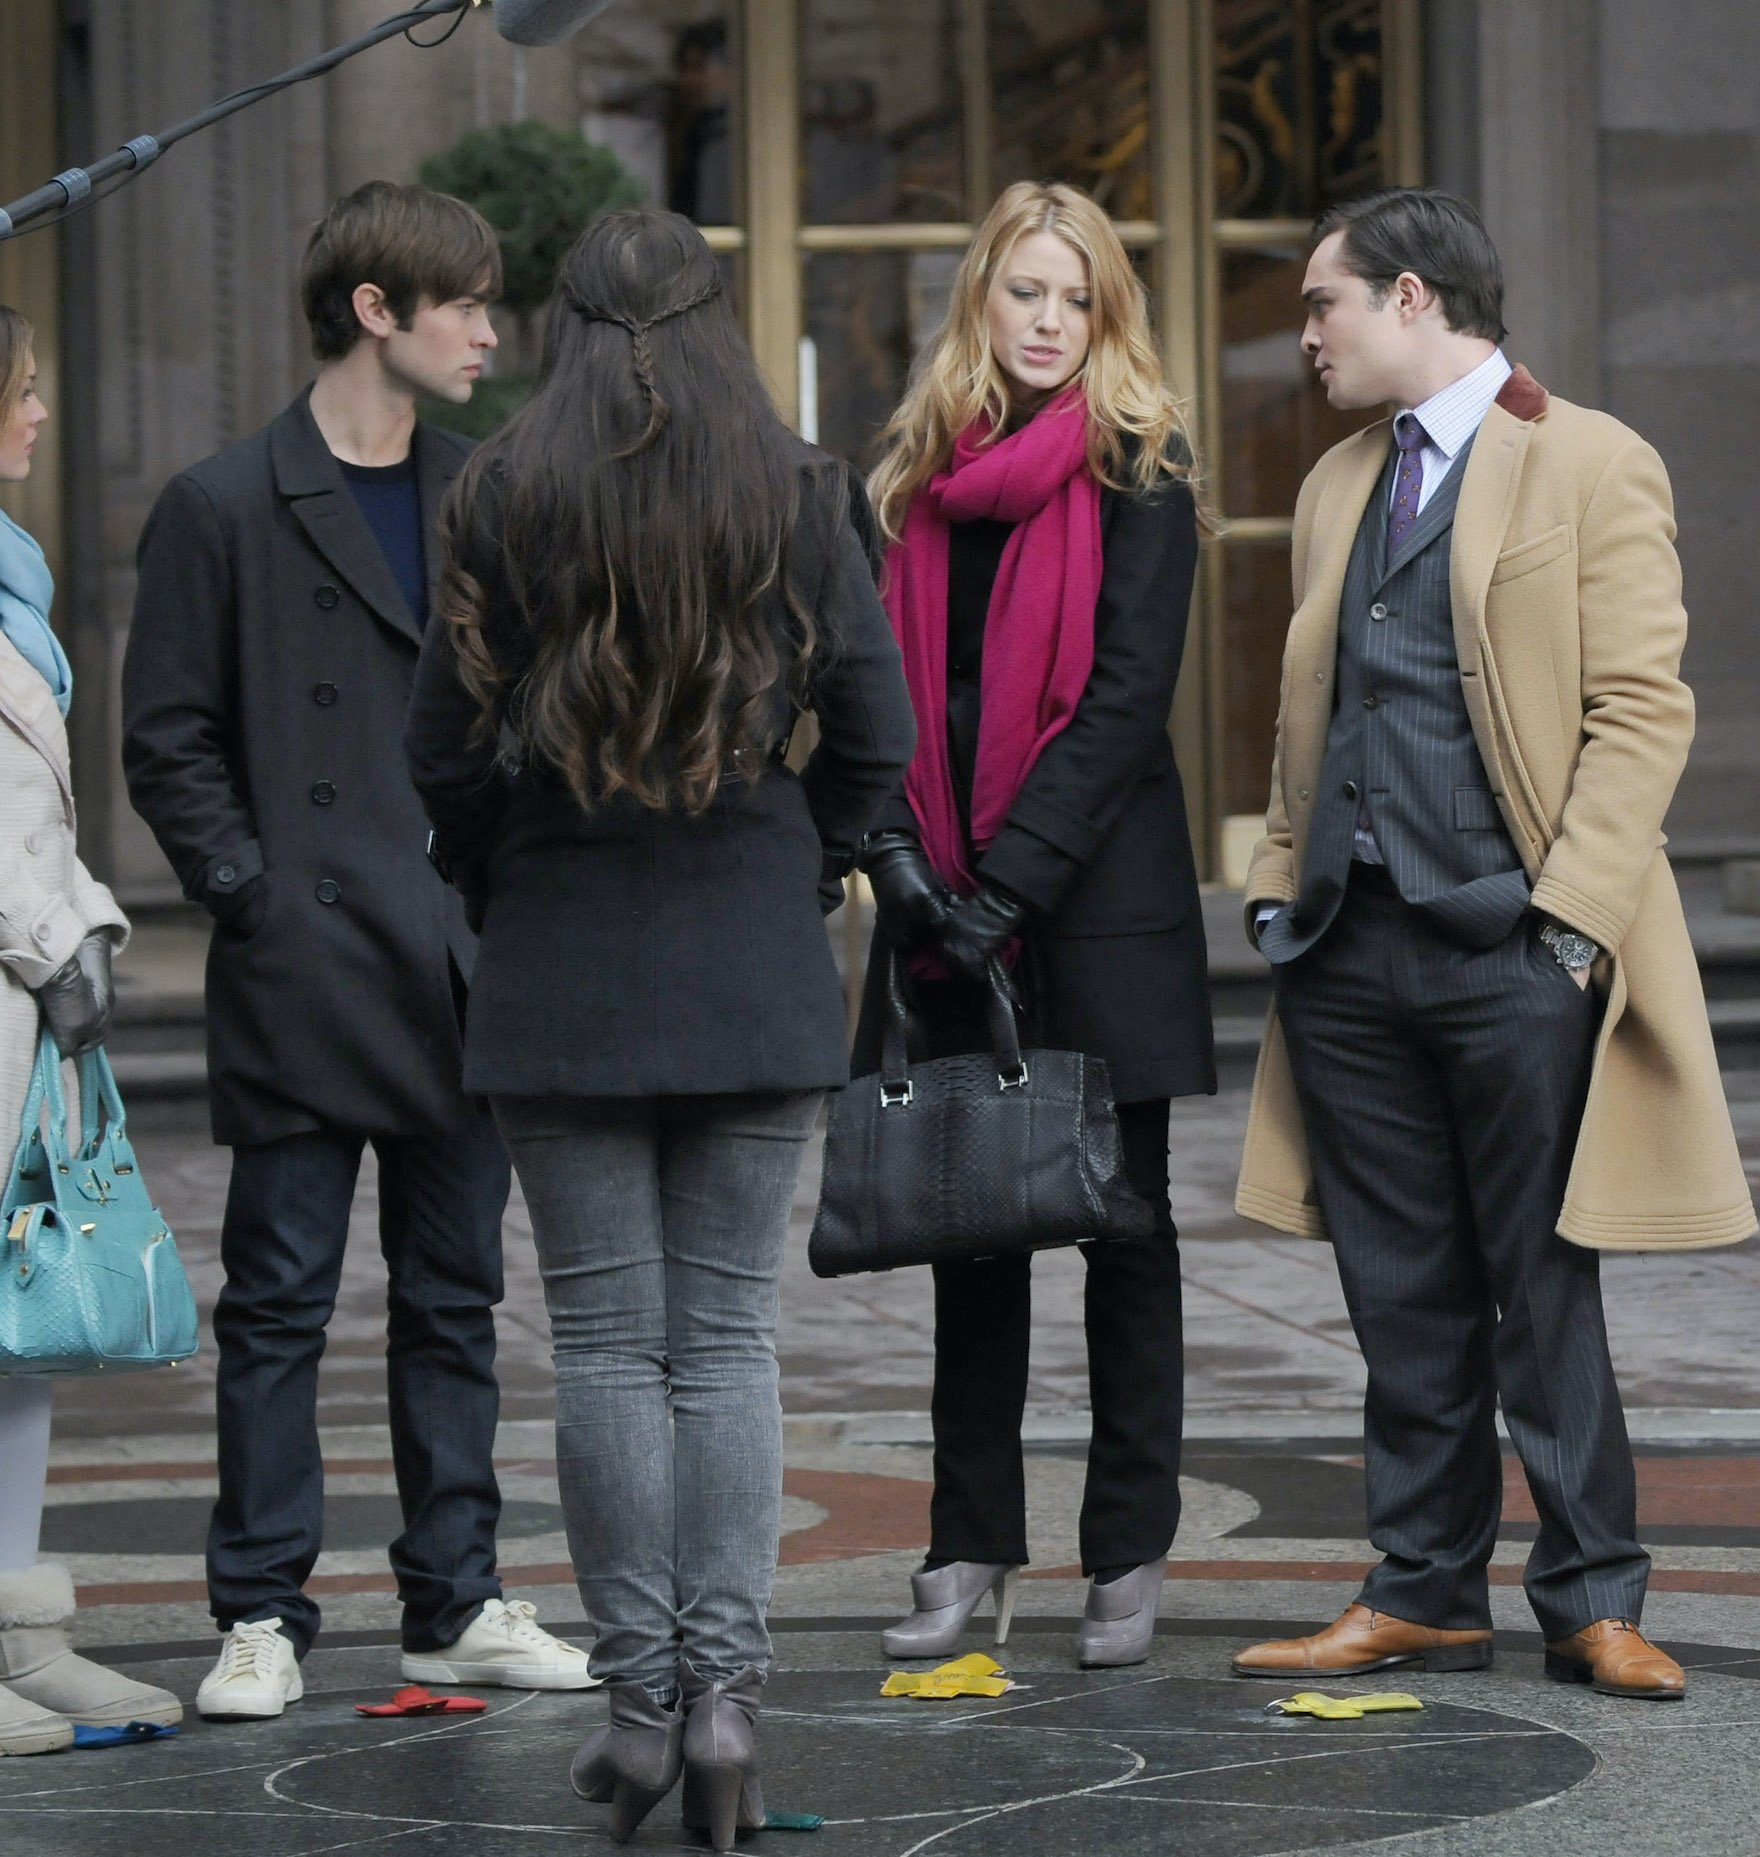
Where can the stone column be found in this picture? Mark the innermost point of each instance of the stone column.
(1511, 114)
(1680, 151)
(186, 314)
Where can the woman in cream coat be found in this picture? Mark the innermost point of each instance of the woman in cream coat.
(58, 931)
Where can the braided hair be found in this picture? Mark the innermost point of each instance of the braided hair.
(642, 350)
(616, 559)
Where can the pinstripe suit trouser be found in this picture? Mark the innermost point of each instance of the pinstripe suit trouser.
(1442, 1088)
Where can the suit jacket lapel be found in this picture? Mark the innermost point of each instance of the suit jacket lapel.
(307, 474)
(1481, 521)
(1338, 514)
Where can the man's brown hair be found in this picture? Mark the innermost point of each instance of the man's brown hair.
(415, 244)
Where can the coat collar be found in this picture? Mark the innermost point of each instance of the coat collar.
(1487, 502)
(308, 476)
(1481, 517)
(1522, 396)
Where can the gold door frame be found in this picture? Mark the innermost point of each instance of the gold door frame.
(1186, 234)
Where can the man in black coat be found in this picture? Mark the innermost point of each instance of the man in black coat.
(284, 587)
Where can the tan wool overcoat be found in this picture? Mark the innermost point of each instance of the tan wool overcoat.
(1569, 628)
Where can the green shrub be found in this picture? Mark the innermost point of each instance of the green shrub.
(539, 187)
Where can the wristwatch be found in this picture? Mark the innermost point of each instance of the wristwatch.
(1572, 951)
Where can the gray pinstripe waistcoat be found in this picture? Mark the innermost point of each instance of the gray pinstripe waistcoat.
(1401, 742)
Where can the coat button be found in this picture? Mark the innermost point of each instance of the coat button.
(1377, 611)
(33, 842)
(1371, 702)
(225, 874)
(1301, 793)
(329, 891)
(324, 693)
(323, 793)
(1350, 789)
(326, 596)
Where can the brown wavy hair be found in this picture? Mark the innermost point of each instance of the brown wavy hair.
(643, 502)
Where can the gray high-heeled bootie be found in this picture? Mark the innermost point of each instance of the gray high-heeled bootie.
(944, 1599)
(721, 1791)
(1118, 1622)
(633, 1762)
(38, 1663)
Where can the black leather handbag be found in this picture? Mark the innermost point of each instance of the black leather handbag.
(968, 1157)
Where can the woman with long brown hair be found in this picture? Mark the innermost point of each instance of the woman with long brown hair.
(648, 580)
(1039, 490)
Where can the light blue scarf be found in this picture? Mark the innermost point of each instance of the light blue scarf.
(26, 588)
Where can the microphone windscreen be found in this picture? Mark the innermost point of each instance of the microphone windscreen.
(544, 22)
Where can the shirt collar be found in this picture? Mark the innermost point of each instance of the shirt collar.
(1451, 417)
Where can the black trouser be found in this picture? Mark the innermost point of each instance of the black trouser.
(440, 1206)
(1136, 1386)
(1442, 1089)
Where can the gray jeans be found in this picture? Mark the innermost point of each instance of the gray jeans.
(660, 1225)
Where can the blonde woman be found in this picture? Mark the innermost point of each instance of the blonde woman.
(1038, 490)
(58, 930)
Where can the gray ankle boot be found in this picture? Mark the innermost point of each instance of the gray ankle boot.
(632, 1763)
(944, 1600)
(1118, 1622)
(38, 1665)
(721, 1791)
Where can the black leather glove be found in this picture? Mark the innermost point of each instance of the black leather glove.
(910, 900)
(77, 998)
(979, 928)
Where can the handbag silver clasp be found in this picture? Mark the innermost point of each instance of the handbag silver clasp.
(897, 1099)
(1017, 1082)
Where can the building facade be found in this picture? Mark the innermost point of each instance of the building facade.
(838, 153)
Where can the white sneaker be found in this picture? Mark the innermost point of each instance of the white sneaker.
(256, 1677)
(503, 1646)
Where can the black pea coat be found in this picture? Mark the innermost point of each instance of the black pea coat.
(264, 690)
(633, 952)
(1097, 843)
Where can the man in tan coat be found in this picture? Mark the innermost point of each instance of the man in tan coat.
(1489, 1055)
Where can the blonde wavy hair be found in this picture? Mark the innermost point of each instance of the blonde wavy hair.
(1137, 433)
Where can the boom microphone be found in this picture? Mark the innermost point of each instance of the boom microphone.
(520, 22)
(544, 22)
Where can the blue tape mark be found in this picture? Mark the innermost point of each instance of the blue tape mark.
(122, 1736)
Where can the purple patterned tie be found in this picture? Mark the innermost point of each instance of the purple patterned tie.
(1411, 438)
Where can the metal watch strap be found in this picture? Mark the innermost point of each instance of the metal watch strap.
(1572, 951)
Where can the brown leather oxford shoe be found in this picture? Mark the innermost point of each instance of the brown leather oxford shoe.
(1362, 1641)
(1615, 1656)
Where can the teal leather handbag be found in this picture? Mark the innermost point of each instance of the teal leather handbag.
(91, 1281)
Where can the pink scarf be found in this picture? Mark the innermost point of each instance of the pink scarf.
(1039, 635)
